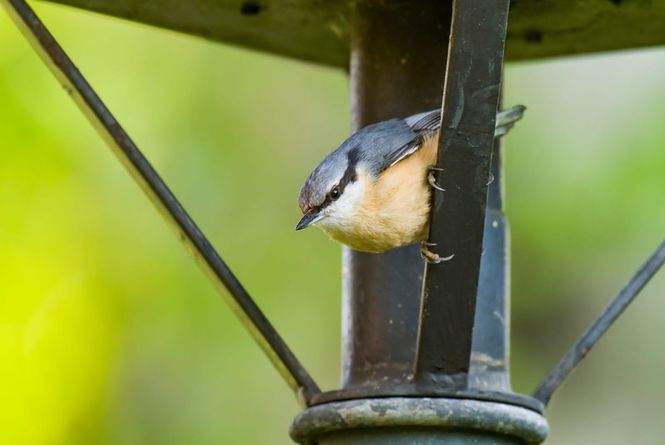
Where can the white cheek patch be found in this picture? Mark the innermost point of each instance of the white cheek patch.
(340, 214)
(346, 205)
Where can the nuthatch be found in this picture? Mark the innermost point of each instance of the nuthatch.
(373, 192)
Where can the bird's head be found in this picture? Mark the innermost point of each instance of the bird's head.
(332, 192)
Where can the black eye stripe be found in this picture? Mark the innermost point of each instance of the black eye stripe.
(350, 174)
(348, 177)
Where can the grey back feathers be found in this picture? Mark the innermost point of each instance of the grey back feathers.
(377, 147)
(373, 148)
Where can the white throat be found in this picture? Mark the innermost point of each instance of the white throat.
(339, 215)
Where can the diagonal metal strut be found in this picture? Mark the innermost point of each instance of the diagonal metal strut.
(152, 184)
(581, 348)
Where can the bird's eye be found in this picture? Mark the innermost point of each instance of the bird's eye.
(334, 193)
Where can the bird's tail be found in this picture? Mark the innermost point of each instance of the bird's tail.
(506, 119)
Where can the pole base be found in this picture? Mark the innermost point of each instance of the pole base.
(410, 420)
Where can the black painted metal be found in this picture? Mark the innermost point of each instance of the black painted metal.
(470, 102)
(150, 181)
(381, 301)
(489, 378)
(319, 31)
(616, 307)
(396, 70)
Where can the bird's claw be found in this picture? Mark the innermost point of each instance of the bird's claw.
(432, 180)
(431, 257)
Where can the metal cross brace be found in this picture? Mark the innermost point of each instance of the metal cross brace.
(164, 200)
(581, 348)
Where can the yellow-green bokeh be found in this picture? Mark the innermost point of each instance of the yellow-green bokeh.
(110, 334)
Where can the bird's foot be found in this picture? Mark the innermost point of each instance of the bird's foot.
(432, 180)
(431, 257)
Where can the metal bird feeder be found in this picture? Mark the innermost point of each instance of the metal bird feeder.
(425, 347)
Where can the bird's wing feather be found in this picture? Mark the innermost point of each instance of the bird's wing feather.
(427, 121)
(420, 126)
(402, 152)
(413, 130)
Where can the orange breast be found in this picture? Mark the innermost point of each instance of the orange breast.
(395, 209)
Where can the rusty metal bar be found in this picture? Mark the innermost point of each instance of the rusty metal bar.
(470, 101)
(149, 180)
(581, 348)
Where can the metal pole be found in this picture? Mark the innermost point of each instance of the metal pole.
(397, 67)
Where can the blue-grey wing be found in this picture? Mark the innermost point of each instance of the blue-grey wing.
(402, 152)
(429, 121)
(389, 142)
(418, 127)
(386, 143)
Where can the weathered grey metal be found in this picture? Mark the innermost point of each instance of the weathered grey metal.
(320, 31)
(403, 420)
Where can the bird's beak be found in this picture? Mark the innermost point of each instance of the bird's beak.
(308, 219)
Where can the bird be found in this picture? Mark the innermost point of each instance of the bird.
(373, 192)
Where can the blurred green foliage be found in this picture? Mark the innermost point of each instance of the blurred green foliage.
(109, 333)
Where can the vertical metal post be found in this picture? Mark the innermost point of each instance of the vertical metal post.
(471, 99)
(397, 66)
